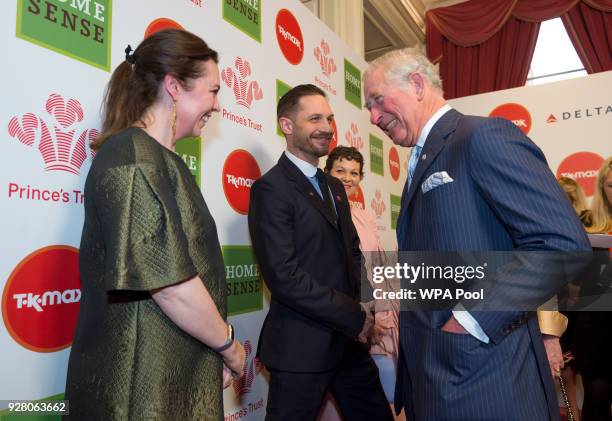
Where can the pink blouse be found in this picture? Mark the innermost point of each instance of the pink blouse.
(375, 255)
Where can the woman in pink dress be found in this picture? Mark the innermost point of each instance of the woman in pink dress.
(346, 164)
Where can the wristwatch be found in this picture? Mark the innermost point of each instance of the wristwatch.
(229, 341)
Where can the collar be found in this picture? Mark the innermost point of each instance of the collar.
(306, 168)
(430, 123)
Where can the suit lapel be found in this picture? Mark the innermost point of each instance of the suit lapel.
(306, 188)
(434, 144)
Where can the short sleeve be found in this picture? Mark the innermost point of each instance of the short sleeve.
(145, 244)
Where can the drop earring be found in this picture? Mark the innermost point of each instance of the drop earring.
(173, 121)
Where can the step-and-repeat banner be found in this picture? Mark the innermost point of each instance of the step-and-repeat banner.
(59, 55)
(570, 121)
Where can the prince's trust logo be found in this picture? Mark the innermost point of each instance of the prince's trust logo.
(245, 91)
(251, 370)
(63, 145)
(378, 205)
(327, 63)
(353, 138)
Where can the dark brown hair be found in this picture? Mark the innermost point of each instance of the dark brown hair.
(349, 153)
(288, 103)
(133, 88)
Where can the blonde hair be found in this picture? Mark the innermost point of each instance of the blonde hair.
(398, 64)
(574, 192)
(601, 207)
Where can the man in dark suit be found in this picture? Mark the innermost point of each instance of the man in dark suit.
(474, 184)
(308, 252)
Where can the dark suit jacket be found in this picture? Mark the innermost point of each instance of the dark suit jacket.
(311, 265)
(503, 198)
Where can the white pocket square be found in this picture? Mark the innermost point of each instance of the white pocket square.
(436, 180)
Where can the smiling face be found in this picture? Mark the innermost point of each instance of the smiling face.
(196, 102)
(309, 131)
(349, 172)
(395, 109)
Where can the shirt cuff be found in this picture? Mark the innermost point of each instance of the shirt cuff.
(470, 324)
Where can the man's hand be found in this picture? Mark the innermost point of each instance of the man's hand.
(453, 326)
(554, 354)
(377, 333)
(367, 325)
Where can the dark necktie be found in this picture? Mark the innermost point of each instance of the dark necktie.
(325, 193)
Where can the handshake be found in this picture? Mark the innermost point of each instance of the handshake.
(372, 331)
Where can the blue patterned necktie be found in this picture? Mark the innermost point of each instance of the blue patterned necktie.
(325, 193)
(414, 159)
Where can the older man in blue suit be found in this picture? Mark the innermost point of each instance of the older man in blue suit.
(474, 184)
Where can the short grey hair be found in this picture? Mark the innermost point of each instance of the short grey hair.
(398, 64)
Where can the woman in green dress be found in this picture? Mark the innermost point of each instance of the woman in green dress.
(151, 341)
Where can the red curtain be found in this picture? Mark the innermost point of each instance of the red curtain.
(487, 45)
(589, 26)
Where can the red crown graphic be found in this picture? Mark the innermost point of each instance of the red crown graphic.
(245, 92)
(250, 371)
(353, 138)
(378, 206)
(328, 65)
(60, 147)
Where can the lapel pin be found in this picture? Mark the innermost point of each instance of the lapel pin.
(338, 198)
(311, 193)
(424, 157)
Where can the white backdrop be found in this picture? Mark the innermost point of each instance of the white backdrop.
(570, 120)
(59, 56)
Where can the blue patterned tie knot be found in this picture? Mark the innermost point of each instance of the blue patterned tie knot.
(414, 159)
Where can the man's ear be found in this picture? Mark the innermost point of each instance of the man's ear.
(419, 82)
(286, 125)
(172, 86)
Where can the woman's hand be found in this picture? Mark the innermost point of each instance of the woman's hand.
(227, 377)
(234, 358)
(554, 354)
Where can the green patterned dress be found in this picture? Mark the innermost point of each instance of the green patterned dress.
(146, 226)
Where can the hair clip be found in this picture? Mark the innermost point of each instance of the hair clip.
(130, 58)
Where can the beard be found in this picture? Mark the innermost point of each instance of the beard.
(315, 143)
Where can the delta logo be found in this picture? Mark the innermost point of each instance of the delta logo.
(327, 65)
(353, 138)
(289, 36)
(245, 15)
(378, 205)
(357, 199)
(240, 171)
(582, 167)
(40, 302)
(237, 79)
(161, 24)
(602, 110)
(252, 368)
(394, 163)
(79, 29)
(63, 145)
(516, 113)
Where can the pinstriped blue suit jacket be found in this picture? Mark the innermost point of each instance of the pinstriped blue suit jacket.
(503, 197)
